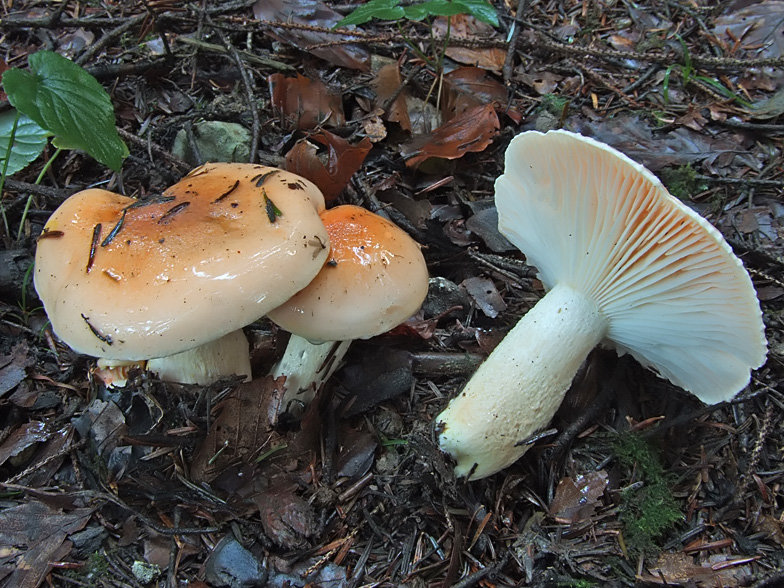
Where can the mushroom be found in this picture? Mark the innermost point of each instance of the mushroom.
(374, 279)
(174, 278)
(625, 265)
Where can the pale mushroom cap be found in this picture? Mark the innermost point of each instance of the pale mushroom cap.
(374, 279)
(210, 255)
(674, 294)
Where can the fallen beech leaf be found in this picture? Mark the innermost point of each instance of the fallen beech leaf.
(331, 171)
(471, 131)
(315, 14)
(466, 27)
(307, 103)
(467, 87)
(576, 498)
(244, 424)
(387, 85)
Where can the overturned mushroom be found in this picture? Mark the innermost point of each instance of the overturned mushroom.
(625, 265)
(176, 276)
(374, 279)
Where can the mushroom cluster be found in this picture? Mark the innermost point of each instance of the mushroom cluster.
(625, 265)
(168, 282)
(173, 278)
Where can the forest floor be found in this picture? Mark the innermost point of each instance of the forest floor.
(639, 483)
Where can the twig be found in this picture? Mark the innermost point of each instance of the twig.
(56, 194)
(249, 57)
(249, 96)
(474, 578)
(512, 49)
(100, 44)
(155, 149)
(741, 181)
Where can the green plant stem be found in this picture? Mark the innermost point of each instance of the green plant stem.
(413, 46)
(30, 196)
(4, 173)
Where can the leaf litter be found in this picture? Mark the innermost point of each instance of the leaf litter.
(214, 486)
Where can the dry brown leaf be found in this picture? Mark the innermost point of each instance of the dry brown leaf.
(306, 103)
(467, 87)
(472, 131)
(314, 14)
(466, 27)
(387, 85)
(332, 169)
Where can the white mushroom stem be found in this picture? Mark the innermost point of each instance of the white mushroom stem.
(203, 365)
(519, 387)
(307, 366)
(206, 363)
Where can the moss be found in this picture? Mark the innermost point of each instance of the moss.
(647, 512)
(682, 181)
(555, 105)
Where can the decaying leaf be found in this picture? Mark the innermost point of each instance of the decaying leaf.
(306, 103)
(288, 520)
(485, 295)
(680, 569)
(576, 498)
(759, 25)
(635, 137)
(472, 131)
(13, 367)
(243, 428)
(314, 14)
(332, 169)
(36, 536)
(21, 438)
(382, 375)
(356, 452)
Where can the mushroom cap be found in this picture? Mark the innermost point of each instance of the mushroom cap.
(674, 294)
(130, 279)
(375, 278)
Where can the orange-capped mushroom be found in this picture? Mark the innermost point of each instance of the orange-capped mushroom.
(374, 278)
(128, 279)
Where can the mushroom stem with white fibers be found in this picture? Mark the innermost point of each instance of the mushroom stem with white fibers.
(540, 355)
(308, 366)
(207, 363)
(666, 288)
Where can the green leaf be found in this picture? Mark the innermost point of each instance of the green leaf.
(29, 141)
(480, 9)
(433, 8)
(389, 10)
(380, 9)
(67, 101)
